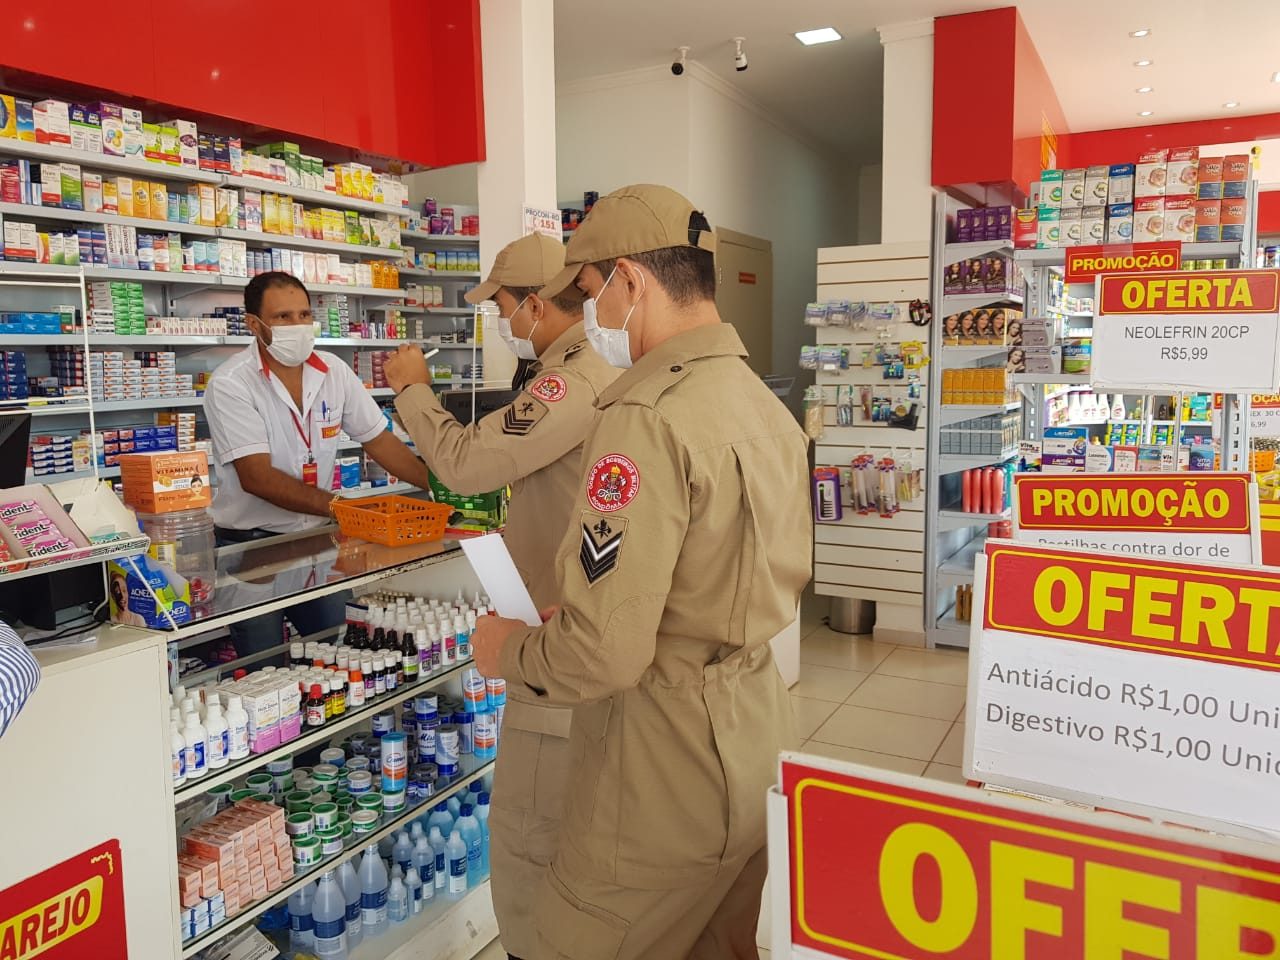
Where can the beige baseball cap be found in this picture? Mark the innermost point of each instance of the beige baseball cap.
(528, 262)
(635, 219)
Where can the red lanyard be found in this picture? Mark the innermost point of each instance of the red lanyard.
(305, 435)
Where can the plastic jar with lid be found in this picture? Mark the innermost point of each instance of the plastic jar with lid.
(184, 539)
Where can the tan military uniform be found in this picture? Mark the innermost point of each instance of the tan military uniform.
(690, 543)
(535, 445)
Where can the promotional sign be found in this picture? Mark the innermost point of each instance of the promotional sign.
(900, 868)
(1161, 679)
(1269, 521)
(1083, 264)
(537, 220)
(1264, 415)
(69, 912)
(1206, 517)
(1192, 330)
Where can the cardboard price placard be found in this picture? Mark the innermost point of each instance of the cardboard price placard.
(537, 220)
(1191, 330)
(1207, 517)
(899, 868)
(1083, 264)
(1161, 679)
(1264, 415)
(71, 911)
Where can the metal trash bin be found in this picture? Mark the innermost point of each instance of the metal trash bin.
(855, 617)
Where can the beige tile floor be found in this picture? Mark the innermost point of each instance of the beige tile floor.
(900, 708)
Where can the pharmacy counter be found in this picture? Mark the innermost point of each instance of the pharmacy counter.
(90, 797)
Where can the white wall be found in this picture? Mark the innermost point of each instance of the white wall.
(735, 161)
(452, 186)
(869, 202)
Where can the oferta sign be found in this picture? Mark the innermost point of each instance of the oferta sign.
(1192, 330)
(1206, 517)
(1086, 263)
(1158, 678)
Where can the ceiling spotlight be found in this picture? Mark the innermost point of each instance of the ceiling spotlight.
(1142, 63)
(1144, 113)
(1145, 31)
(739, 58)
(1144, 90)
(1231, 104)
(821, 35)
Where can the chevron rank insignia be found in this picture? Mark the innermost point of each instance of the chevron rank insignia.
(601, 545)
(523, 415)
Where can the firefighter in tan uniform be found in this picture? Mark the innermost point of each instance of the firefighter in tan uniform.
(535, 445)
(689, 545)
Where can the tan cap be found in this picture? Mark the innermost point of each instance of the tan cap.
(635, 219)
(528, 262)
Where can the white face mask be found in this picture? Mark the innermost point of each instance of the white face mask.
(522, 346)
(292, 344)
(613, 345)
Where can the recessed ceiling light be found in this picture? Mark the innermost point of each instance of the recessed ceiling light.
(1142, 63)
(1140, 33)
(1144, 90)
(1144, 113)
(1231, 104)
(821, 35)
(1275, 77)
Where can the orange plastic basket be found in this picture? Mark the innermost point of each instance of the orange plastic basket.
(392, 520)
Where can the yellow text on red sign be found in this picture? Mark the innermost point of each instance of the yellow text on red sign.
(48, 924)
(1201, 503)
(930, 875)
(1200, 291)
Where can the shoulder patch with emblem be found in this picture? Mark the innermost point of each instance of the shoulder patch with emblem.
(550, 388)
(613, 483)
(601, 545)
(522, 416)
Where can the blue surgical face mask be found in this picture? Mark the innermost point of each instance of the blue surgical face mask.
(613, 345)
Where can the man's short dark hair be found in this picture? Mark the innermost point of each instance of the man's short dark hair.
(565, 302)
(263, 282)
(687, 274)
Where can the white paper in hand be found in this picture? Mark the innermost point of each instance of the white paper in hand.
(492, 563)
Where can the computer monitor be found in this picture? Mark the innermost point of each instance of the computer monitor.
(15, 439)
(459, 402)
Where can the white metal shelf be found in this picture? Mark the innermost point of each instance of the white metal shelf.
(103, 161)
(959, 302)
(323, 197)
(958, 462)
(262, 239)
(441, 274)
(971, 352)
(162, 403)
(23, 268)
(19, 568)
(950, 632)
(952, 413)
(1057, 256)
(958, 568)
(450, 311)
(106, 473)
(444, 239)
(1038, 379)
(958, 519)
(81, 216)
(976, 248)
(92, 272)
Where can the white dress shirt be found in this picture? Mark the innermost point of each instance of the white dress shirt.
(250, 411)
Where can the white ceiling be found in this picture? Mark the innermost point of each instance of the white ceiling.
(1205, 53)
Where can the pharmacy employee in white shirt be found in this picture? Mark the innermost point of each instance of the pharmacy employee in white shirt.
(276, 412)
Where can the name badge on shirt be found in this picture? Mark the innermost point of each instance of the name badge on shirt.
(329, 432)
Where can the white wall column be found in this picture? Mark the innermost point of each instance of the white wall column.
(907, 198)
(517, 49)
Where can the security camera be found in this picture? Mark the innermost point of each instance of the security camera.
(677, 67)
(739, 58)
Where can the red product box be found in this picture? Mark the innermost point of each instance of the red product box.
(1026, 228)
(1208, 221)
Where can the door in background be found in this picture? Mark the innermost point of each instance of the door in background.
(744, 293)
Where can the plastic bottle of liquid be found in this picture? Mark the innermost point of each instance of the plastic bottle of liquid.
(457, 856)
(424, 862)
(462, 637)
(473, 837)
(442, 818)
(386, 847)
(301, 922)
(416, 832)
(237, 728)
(177, 753)
(454, 806)
(413, 884)
(439, 847)
(329, 919)
(397, 901)
(351, 895)
(482, 814)
(402, 853)
(373, 894)
(197, 742)
(219, 750)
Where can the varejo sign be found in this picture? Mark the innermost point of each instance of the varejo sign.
(1190, 516)
(1199, 330)
(902, 868)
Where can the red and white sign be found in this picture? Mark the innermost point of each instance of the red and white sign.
(1206, 517)
(896, 867)
(1264, 415)
(1084, 264)
(613, 483)
(72, 911)
(1160, 679)
(538, 220)
(1190, 330)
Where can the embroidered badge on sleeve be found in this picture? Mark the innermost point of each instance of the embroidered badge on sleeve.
(550, 388)
(522, 416)
(613, 483)
(601, 545)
